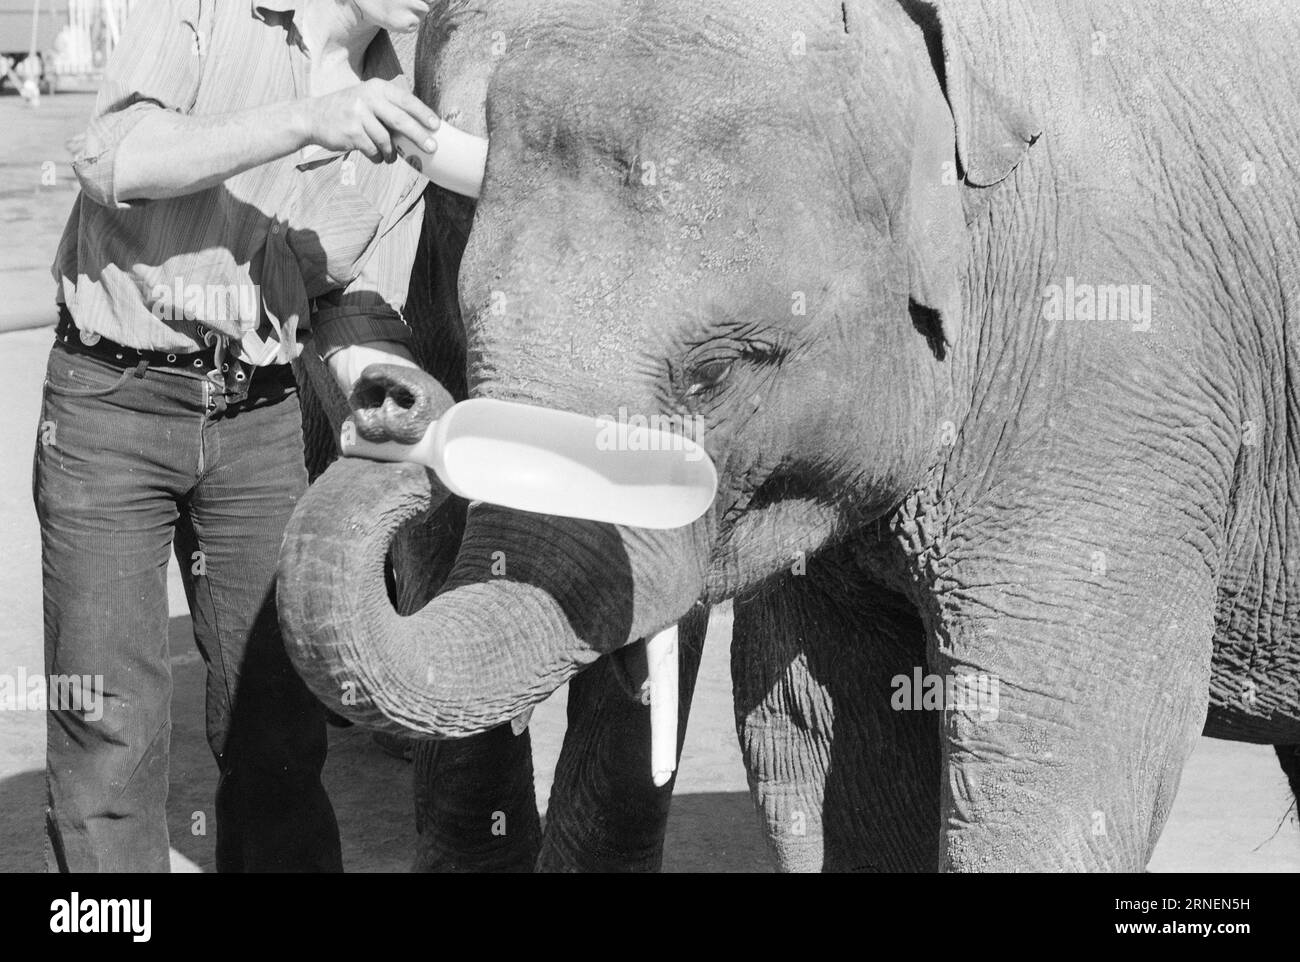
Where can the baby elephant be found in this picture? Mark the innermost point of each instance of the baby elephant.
(988, 312)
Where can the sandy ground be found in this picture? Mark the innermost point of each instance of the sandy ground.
(1231, 813)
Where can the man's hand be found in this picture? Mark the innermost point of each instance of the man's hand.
(364, 117)
(347, 363)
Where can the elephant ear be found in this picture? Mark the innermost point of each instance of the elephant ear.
(992, 133)
(964, 134)
(934, 238)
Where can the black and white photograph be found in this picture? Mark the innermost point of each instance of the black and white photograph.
(639, 436)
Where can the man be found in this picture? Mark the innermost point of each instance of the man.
(238, 188)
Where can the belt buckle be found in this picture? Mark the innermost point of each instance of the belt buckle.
(218, 343)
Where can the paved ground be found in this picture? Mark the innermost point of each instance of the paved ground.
(33, 209)
(1232, 801)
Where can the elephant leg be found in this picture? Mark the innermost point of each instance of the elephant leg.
(842, 781)
(1101, 681)
(475, 810)
(605, 813)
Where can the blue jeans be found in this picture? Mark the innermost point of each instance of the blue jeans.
(129, 463)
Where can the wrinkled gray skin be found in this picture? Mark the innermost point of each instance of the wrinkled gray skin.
(917, 470)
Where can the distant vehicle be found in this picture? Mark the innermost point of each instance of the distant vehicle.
(18, 72)
(17, 18)
(73, 39)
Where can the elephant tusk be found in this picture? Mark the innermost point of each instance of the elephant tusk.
(519, 724)
(661, 662)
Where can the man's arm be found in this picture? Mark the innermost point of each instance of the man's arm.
(347, 363)
(365, 326)
(168, 154)
(144, 142)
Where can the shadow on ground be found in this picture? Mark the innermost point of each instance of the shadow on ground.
(371, 792)
(712, 827)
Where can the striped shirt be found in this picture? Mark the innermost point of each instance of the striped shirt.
(317, 240)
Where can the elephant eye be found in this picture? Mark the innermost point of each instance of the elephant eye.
(709, 376)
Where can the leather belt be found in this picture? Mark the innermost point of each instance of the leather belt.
(210, 362)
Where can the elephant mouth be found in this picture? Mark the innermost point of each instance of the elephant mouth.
(530, 600)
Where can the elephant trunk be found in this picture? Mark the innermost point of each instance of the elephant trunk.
(531, 600)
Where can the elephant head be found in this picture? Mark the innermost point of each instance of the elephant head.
(748, 214)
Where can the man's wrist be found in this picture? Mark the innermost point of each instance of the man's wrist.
(347, 363)
(388, 347)
(298, 122)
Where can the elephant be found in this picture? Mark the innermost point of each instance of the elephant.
(987, 309)
(474, 796)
